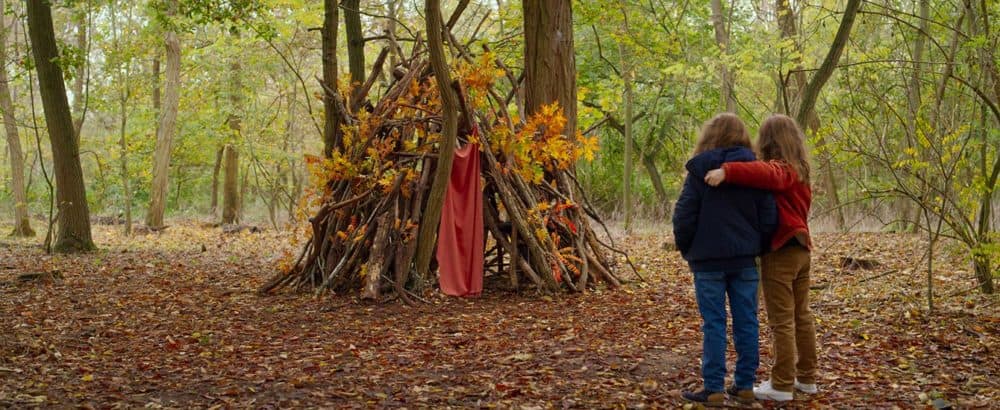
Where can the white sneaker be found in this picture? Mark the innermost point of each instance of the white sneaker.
(806, 388)
(766, 392)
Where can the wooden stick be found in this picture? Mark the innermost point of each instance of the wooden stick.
(514, 257)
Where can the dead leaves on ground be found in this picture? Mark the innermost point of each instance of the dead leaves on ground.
(171, 320)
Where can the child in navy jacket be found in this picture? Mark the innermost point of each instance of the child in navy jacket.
(720, 232)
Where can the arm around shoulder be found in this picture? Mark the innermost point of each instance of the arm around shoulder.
(770, 175)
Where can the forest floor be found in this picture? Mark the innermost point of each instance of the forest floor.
(173, 320)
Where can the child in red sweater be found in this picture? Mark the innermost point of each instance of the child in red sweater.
(783, 169)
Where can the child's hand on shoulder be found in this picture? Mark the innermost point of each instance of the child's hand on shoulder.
(715, 177)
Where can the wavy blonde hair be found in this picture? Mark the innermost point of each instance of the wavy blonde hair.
(781, 139)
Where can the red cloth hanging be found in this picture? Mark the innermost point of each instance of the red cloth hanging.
(460, 235)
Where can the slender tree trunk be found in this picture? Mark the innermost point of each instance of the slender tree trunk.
(287, 177)
(648, 157)
(165, 131)
(930, 262)
(156, 84)
(981, 263)
(649, 162)
(913, 91)
(549, 61)
(392, 10)
(726, 94)
(230, 193)
(910, 218)
(215, 180)
(123, 145)
(331, 125)
(244, 187)
(274, 193)
(235, 122)
(22, 224)
(296, 177)
(80, 77)
(791, 94)
(355, 47)
(828, 173)
(628, 120)
(71, 195)
(807, 109)
(979, 24)
(446, 147)
(124, 93)
(819, 79)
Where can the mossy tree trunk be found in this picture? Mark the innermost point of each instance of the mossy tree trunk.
(73, 234)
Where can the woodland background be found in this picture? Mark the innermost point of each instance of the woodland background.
(194, 113)
(906, 123)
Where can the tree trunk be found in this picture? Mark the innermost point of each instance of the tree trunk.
(230, 193)
(549, 62)
(235, 122)
(648, 156)
(287, 178)
(355, 47)
(627, 175)
(446, 146)
(81, 76)
(71, 195)
(812, 90)
(165, 131)
(791, 94)
(807, 109)
(123, 145)
(156, 83)
(726, 95)
(22, 224)
(392, 10)
(913, 91)
(295, 175)
(981, 262)
(122, 78)
(274, 194)
(244, 186)
(331, 124)
(649, 162)
(215, 180)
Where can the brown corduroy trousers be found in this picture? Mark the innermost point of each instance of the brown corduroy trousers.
(785, 282)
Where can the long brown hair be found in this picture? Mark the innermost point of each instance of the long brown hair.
(781, 139)
(723, 130)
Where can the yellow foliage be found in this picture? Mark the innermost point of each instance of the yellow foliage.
(478, 78)
(542, 145)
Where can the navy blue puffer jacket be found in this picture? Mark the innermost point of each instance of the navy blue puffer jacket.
(726, 227)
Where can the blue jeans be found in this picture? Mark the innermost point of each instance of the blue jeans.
(711, 289)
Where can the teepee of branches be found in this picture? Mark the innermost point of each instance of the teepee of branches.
(369, 197)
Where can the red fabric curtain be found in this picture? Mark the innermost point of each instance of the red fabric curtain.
(460, 235)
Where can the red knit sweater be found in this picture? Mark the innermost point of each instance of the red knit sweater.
(793, 197)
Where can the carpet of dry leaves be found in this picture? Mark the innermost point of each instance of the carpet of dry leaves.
(172, 320)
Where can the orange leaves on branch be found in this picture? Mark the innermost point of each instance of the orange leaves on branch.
(478, 78)
(588, 146)
(385, 181)
(324, 170)
(542, 144)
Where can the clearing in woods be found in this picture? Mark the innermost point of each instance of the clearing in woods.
(161, 320)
